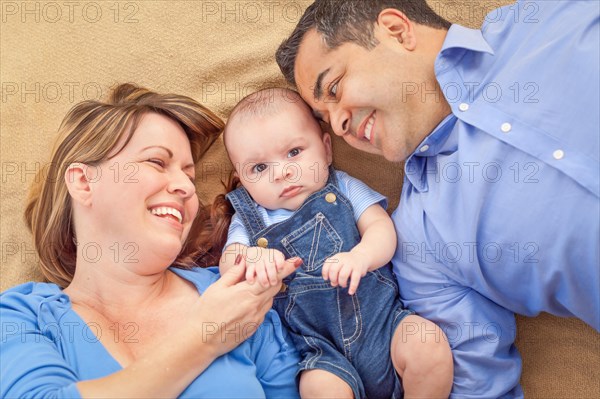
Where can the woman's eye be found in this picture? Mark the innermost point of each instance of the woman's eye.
(260, 167)
(294, 152)
(158, 162)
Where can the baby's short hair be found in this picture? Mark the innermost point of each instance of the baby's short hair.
(265, 102)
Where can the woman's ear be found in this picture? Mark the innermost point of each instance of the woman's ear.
(395, 24)
(78, 177)
(328, 151)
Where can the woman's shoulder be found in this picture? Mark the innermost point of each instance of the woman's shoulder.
(30, 301)
(30, 293)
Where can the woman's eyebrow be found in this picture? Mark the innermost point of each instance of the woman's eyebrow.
(159, 146)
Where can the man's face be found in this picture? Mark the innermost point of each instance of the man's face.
(375, 99)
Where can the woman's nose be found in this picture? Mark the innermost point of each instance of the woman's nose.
(182, 185)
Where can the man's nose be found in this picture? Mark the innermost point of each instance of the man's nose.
(340, 122)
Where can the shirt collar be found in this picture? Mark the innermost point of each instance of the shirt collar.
(439, 141)
(460, 37)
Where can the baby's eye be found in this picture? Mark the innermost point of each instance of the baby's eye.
(259, 167)
(294, 152)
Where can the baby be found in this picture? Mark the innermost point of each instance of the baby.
(341, 306)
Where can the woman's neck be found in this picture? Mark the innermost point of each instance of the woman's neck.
(116, 289)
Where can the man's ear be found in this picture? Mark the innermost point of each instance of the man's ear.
(394, 23)
(78, 177)
(328, 151)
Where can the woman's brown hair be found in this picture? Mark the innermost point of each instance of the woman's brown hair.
(90, 132)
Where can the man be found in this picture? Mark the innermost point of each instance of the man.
(498, 129)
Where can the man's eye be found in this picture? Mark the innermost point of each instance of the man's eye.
(259, 167)
(333, 89)
(294, 152)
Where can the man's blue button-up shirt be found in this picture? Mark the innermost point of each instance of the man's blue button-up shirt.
(500, 208)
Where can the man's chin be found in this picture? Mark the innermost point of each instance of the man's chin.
(363, 145)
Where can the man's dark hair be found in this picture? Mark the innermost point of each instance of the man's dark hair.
(341, 21)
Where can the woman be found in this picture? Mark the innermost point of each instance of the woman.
(125, 313)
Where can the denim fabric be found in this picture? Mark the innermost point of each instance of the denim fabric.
(347, 335)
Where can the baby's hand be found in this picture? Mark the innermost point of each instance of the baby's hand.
(263, 264)
(342, 266)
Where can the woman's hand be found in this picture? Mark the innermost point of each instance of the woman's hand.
(231, 309)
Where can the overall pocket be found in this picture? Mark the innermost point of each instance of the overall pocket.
(315, 241)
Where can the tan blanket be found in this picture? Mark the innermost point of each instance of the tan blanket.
(55, 54)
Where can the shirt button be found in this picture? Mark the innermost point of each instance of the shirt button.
(506, 127)
(330, 197)
(262, 242)
(558, 154)
(463, 107)
(424, 148)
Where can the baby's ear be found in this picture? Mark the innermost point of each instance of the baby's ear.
(77, 178)
(328, 151)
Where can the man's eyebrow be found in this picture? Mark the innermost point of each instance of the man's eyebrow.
(318, 90)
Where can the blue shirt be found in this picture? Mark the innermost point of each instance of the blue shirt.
(500, 204)
(358, 193)
(47, 349)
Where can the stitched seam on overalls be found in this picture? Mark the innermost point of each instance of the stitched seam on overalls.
(310, 341)
(244, 213)
(402, 313)
(339, 313)
(310, 198)
(334, 235)
(289, 308)
(312, 287)
(259, 223)
(358, 314)
(385, 280)
(343, 369)
(316, 237)
(318, 220)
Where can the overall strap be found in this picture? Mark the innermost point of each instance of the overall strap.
(245, 207)
(332, 179)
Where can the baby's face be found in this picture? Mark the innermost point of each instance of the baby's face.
(280, 159)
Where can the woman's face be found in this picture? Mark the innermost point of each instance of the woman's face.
(144, 198)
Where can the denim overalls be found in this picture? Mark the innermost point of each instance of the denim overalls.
(347, 335)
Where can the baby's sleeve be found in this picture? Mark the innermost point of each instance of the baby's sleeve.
(237, 232)
(360, 195)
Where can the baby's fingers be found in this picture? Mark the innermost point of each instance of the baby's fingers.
(251, 273)
(261, 274)
(325, 270)
(354, 282)
(343, 276)
(334, 271)
(271, 269)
